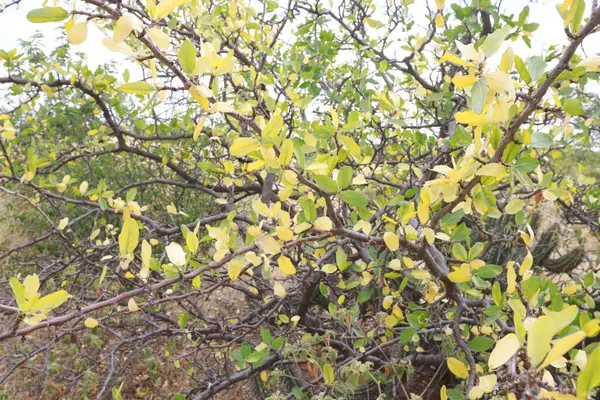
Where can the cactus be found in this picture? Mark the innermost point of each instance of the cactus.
(567, 262)
(547, 243)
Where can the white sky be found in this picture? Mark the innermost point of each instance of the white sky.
(14, 26)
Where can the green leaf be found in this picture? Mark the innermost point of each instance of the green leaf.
(461, 136)
(479, 93)
(344, 177)
(257, 357)
(573, 107)
(488, 271)
(589, 377)
(265, 336)
(326, 183)
(277, 343)
(364, 295)
(536, 67)
(350, 145)
(541, 140)
(187, 56)
(497, 293)
(522, 69)
(524, 165)
(354, 198)
(494, 41)
(137, 88)
(47, 14)
(328, 373)
(459, 252)
(481, 343)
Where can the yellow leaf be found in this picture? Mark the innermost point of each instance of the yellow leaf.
(191, 241)
(90, 323)
(464, 80)
(470, 118)
(561, 346)
(571, 289)
(499, 82)
(511, 277)
(504, 350)
(273, 127)
(429, 235)
(198, 129)
(243, 145)
(439, 20)
(223, 65)
(423, 213)
(284, 233)
(591, 64)
(279, 290)
(159, 38)
(129, 236)
(165, 7)
(387, 302)
(486, 385)
(323, 223)
(83, 187)
(443, 393)
(440, 4)
(172, 209)
(151, 7)
(286, 152)
(458, 368)
(538, 339)
(454, 60)
(137, 88)
(506, 63)
(565, 5)
(261, 208)
(350, 145)
(285, 266)
(562, 319)
(334, 118)
(496, 170)
(221, 107)
(197, 282)
(592, 328)
(390, 321)
(526, 264)
(234, 268)
(31, 285)
(77, 33)
(146, 255)
(461, 274)
(391, 241)
(62, 224)
(132, 305)
(124, 26)
(176, 254)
